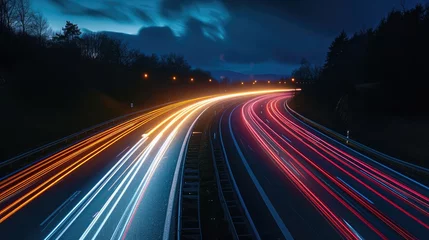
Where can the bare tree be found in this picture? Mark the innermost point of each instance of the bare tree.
(40, 26)
(403, 5)
(25, 15)
(91, 45)
(8, 12)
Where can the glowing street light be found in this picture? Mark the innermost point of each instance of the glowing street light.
(210, 80)
(174, 77)
(280, 82)
(269, 81)
(242, 83)
(293, 79)
(192, 79)
(145, 75)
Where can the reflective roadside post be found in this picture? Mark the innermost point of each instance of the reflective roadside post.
(294, 85)
(348, 136)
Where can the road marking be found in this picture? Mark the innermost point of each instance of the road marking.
(393, 190)
(250, 148)
(360, 154)
(355, 190)
(122, 151)
(271, 208)
(294, 170)
(54, 213)
(287, 139)
(353, 230)
(177, 171)
(234, 183)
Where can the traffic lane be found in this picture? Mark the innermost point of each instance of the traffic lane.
(401, 177)
(165, 160)
(302, 177)
(290, 204)
(259, 213)
(400, 216)
(389, 202)
(90, 213)
(320, 190)
(82, 179)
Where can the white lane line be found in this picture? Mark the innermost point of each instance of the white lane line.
(287, 139)
(360, 154)
(273, 211)
(233, 179)
(353, 230)
(294, 170)
(89, 197)
(122, 151)
(60, 207)
(251, 149)
(173, 190)
(355, 190)
(393, 190)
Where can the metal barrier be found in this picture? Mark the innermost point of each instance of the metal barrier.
(353, 144)
(76, 136)
(227, 191)
(189, 215)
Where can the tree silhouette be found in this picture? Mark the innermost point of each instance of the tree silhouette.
(25, 15)
(392, 56)
(70, 34)
(40, 27)
(8, 14)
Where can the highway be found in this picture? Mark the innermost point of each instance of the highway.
(294, 182)
(118, 184)
(298, 183)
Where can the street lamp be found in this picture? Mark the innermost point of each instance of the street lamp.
(145, 75)
(294, 92)
(269, 81)
(210, 80)
(174, 77)
(192, 79)
(242, 83)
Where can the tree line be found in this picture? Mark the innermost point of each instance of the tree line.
(39, 66)
(390, 60)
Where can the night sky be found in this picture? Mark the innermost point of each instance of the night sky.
(248, 36)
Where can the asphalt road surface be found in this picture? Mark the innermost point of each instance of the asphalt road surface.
(298, 183)
(121, 183)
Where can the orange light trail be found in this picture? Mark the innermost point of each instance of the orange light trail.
(41, 176)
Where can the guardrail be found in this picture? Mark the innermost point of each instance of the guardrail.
(236, 214)
(73, 138)
(352, 144)
(189, 226)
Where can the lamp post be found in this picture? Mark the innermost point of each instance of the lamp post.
(294, 85)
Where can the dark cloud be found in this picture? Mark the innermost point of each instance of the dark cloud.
(240, 32)
(142, 15)
(326, 17)
(113, 10)
(170, 8)
(244, 43)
